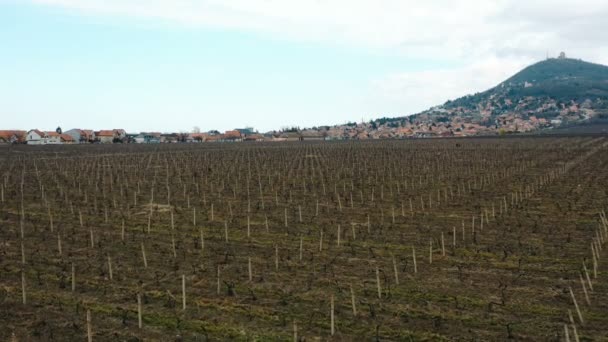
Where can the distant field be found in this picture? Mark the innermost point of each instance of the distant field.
(420, 240)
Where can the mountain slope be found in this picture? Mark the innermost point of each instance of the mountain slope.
(554, 93)
(548, 94)
(560, 79)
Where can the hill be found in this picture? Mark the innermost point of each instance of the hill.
(561, 79)
(553, 93)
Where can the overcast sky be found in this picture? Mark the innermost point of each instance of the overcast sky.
(169, 65)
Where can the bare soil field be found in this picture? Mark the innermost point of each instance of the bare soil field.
(419, 240)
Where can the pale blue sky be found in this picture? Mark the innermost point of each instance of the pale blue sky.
(90, 65)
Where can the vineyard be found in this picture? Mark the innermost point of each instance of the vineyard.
(421, 240)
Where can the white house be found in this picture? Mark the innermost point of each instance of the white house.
(35, 137)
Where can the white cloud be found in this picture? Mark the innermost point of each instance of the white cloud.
(492, 39)
(420, 90)
(464, 28)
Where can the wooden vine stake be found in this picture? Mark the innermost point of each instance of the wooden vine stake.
(150, 220)
(414, 259)
(395, 271)
(139, 320)
(352, 300)
(143, 255)
(573, 325)
(378, 282)
(321, 241)
(249, 269)
(300, 256)
(51, 220)
(332, 315)
(183, 292)
(463, 232)
(276, 257)
(248, 227)
(73, 278)
(226, 230)
(110, 267)
(218, 279)
(92, 238)
(23, 292)
(89, 329)
(578, 311)
(300, 212)
(566, 333)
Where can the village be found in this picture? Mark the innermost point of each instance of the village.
(526, 116)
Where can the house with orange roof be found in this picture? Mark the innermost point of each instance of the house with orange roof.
(214, 138)
(105, 136)
(52, 138)
(12, 137)
(233, 135)
(66, 139)
(254, 137)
